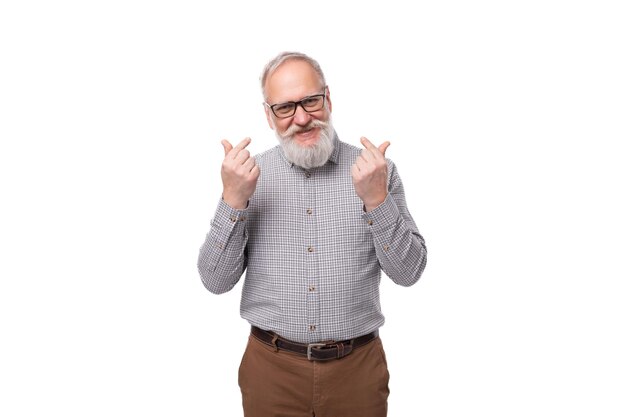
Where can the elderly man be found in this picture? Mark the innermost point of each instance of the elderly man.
(313, 222)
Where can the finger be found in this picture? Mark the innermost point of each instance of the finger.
(368, 145)
(354, 170)
(255, 170)
(242, 156)
(241, 145)
(227, 146)
(366, 155)
(360, 164)
(383, 148)
(249, 164)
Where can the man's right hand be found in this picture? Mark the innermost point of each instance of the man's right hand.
(239, 174)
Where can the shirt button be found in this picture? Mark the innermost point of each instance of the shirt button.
(309, 249)
(311, 288)
(233, 219)
(309, 211)
(312, 327)
(385, 248)
(307, 174)
(370, 222)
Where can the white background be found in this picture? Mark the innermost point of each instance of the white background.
(507, 124)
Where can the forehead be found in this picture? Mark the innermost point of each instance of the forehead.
(291, 81)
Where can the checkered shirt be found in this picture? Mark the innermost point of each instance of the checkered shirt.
(312, 255)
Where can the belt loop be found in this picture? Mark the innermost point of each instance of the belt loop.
(274, 339)
(340, 350)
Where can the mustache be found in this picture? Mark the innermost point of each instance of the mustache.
(292, 130)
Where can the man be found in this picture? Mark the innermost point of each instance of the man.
(313, 220)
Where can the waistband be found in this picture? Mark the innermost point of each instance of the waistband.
(322, 351)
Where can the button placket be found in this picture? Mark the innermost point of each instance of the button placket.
(311, 242)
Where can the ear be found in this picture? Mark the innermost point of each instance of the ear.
(268, 116)
(330, 103)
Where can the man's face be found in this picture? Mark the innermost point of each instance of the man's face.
(293, 81)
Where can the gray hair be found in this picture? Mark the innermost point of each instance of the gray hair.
(289, 56)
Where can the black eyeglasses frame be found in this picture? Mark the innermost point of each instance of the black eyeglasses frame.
(298, 103)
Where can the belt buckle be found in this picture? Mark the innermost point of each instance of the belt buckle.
(311, 346)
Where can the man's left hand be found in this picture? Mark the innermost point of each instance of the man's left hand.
(369, 174)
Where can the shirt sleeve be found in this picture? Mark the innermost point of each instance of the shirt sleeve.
(222, 258)
(400, 248)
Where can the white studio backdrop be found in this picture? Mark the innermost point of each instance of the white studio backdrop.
(506, 121)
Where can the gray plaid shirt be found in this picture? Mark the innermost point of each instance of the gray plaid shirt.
(313, 255)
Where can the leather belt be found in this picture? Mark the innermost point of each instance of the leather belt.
(314, 351)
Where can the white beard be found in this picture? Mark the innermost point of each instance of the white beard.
(310, 156)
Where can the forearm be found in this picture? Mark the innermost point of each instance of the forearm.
(222, 260)
(399, 246)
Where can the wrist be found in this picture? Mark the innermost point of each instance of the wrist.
(374, 203)
(234, 202)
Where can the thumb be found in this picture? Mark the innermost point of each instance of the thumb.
(383, 147)
(227, 146)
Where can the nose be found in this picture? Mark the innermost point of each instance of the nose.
(301, 117)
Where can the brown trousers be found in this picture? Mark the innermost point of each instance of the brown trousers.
(284, 384)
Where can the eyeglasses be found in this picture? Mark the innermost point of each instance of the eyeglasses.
(288, 109)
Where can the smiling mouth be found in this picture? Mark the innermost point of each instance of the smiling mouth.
(307, 133)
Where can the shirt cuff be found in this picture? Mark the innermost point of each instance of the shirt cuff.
(384, 215)
(225, 214)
